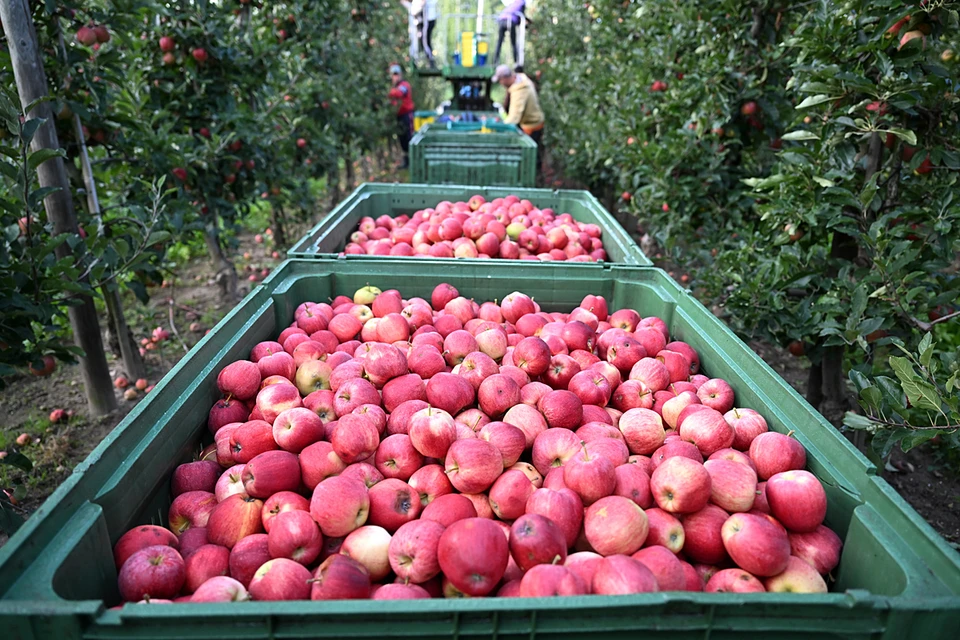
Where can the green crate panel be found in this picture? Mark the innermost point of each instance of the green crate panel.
(897, 578)
(331, 234)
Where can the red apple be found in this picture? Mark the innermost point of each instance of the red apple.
(665, 567)
(220, 589)
(353, 393)
(756, 543)
(355, 438)
(664, 530)
(622, 575)
(615, 525)
(562, 409)
(240, 379)
(295, 535)
(247, 556)
(251, 439)
(553, 448)
(507, 438)
(652, 373)
(561, 370)
(201, 475)
(680, 485)
(277, 398)
(430, 481)
(497, 394)
(152, 572)
(190, 509)
(280, 579)
(281, 502)
(399, 417)
(747, 424)
(393, 503)
(208, 561)
(402, 389)
(703, 535)
(632, 394)
(797, 500)
(270, 472)
(432, 431)
(318, 462)
(551, 580)
(563, 506)
(369, 546)
(144, 536)
(590, 476)
(733, 485)
(733, 581)
(633, 482)
(528, 420)
(400, 592)
(231, 483)
(234, 518)
(535, 539)
(674, 449)
(798, 577)
(716, 394)
(591, 387)
(472, 465)
(707, 430)
(413, 550)
(340, 505)
(820, 548)
(227, 411)
(642, 430)
(473, 555)
(295, 429)
(509, 493)
(673, 408)
(449, 508)
(774, 453)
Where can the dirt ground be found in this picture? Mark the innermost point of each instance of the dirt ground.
(192, 306)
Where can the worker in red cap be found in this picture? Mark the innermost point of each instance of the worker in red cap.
(401, 97)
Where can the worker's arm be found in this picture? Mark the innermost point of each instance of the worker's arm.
(398, 92)
(518, 102)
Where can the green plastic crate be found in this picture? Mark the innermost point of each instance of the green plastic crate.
(329, 237)
(897, 578)
(478, 128)
(440, 156)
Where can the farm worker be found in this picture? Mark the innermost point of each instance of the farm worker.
(421, 22)
(508, 19)
(525, 110)
(401, 96)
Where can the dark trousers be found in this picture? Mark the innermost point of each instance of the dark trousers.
(404, 129)
(537, 136)
(428, 40)
(512, 27)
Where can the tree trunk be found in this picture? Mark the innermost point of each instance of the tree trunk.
(348, 170)
(126, 345)
(226, 273)
(32, 85)
(129, 352)
(333, 184)
(277, 218)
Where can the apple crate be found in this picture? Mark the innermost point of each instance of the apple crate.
(456, 156)
(896, 579)
(329, 237)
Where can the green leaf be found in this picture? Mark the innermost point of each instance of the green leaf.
(872, 398)
(30, 129)
(904, 370)
(811, 101)
(18, 460)
(823, 182)
(917, 438)
(40, 156)
(926, 350)
(906, 135)
(800, 134)
(857, 421)
(922, 395)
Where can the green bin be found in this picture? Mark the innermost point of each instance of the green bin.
(502, 158)
(897, 578)
(329, 237)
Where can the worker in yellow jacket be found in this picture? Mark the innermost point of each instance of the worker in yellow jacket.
(524, 105)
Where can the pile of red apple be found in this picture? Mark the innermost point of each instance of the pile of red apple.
(508, 228)
(387, 448)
